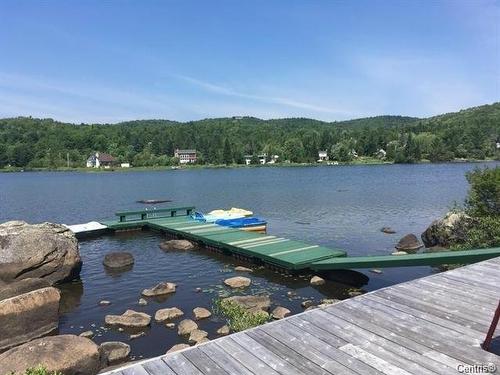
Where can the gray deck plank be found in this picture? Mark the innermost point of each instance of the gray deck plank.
(421, 327)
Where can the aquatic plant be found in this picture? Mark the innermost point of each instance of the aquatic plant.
(238, 318)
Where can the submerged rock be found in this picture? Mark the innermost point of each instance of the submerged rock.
(28, 316)
(167, 314)
(48, 251)
(87, 334)
(137, 335)
(280, 312)
(307, 303)
(186, 327)
(177, 245)
(238, 282)
(408, 242)
(129, 319)
(170, 325)
(66, 354)
(316, 280)
(104, 302)
(224, 330)
(387, 230)
(252, 303)
(451, 229)
(159, 289)
(178, 347)
(120, 259)
(114, 351)
(201, 313)
(142, 302)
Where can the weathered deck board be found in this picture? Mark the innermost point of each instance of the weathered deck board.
(427, 326)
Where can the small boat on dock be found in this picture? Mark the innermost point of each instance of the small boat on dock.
(214, 215)
(249, 224)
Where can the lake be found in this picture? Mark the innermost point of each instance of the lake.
(338, 206)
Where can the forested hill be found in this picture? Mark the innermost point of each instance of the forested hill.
(472, 133)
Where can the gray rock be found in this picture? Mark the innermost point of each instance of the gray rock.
(307, 303)
(280, 312)
(201, 313)
(142, 302)
(242, 269)
(202, 340)
(186, 327)
(453, 228)
(137, 335)
(48, 251)
(388, 230)
(28, 316)
(170, 325)
(252, 303)
(167, 314)
(114, 351)
(87, 334)
(129, 319)
(119, 259)
(177, 245)
(178, 347)
(66, 354)
(238, 282)
(408, 243)
(104, 302)
(22, 286)
(159, 289)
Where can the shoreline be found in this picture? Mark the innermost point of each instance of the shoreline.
(361, 161)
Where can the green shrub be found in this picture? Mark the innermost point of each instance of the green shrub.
(39, 370)
(484, 193)
(238, 318)
(483, 231)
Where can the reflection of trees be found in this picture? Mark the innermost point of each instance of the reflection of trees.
(71, 294)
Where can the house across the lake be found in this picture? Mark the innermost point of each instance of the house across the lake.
(101, 160)
(322, 156)
(185, 156)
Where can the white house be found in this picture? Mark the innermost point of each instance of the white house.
(100, 159)
(274, 159)
(185, 156)
(381, 154)
(248, 159)
(322, 156)
(262, 158)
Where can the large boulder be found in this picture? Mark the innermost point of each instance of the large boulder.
(66, 354)
(252, 303)
(114, 352)
(409, 242)
(119, 259)
(29, 315)
(186, 327)
(129, 319)
(176, 245)
(22, 286)
(48, 251)
(159, 289)
(238, 282)
(448, 230)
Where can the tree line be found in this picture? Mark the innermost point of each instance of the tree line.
(44, 143)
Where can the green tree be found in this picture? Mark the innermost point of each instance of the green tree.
(227, 154)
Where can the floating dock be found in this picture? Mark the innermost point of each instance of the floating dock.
(272, 250)
(429, 326)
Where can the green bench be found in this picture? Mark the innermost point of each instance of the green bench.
(125, 216)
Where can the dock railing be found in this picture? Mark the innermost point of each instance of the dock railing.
(153, 213)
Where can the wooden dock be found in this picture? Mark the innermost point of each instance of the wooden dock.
(433, 325)
(274, 250)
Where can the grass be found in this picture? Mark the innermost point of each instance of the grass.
(39, 370)
(238, 318)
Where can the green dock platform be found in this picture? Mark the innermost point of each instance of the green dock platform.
(278, 251)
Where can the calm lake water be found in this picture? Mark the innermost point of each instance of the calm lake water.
(340, 207)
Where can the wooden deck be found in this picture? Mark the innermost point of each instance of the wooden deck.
(433, 325)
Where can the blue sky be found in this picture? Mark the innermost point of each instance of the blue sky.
(108, 61)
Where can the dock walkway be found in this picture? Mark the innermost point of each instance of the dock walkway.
(432, 325)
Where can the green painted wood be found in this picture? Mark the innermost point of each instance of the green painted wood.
(423, 259)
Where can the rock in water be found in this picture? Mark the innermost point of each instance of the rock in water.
(252, 303)
(448, 230)
(177, 245)
(28, 316)
(238, 282)
(114, 351)
(186, 327)
(178, 347)
(48, 251)
(201, 313)
(129, 319)
(66, 354)
(387, 230)
(167, 314)
(408, 243)
(316, 280)
(197, 335)
(159, 289)
(242, 269)
(280, 312)
(87, 334)
(120, 259)
(223, 331)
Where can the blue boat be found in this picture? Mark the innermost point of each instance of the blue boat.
(245, 223)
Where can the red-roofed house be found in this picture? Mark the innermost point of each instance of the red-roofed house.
(100, 159)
